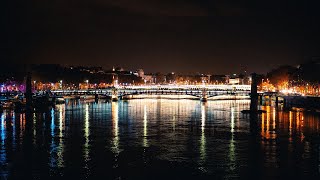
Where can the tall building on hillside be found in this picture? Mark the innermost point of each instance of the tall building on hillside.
(140, 73)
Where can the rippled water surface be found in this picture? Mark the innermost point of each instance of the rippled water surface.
(159, 139)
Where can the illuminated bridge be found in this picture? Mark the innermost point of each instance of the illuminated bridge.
(203, 92)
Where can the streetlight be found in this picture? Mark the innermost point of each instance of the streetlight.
(87, 81)
(61, 84)
(34, 85)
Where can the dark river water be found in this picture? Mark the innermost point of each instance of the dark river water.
(159, 139)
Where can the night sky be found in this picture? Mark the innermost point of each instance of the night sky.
(185, 36)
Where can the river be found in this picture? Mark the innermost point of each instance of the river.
(159, 139)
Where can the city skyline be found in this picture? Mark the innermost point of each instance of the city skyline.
(159, 89)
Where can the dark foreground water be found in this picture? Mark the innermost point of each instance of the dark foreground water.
(159, 139)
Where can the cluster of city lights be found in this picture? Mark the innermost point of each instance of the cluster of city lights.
(287, 89)
(265, 86)
(11, 87)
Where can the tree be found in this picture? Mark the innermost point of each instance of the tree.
(281, 76)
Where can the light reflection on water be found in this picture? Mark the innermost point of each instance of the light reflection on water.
(53, 145)
(145, 127)
(232, 155)
(203, 137)
(86, 146)
(115, 121)
(57, 137)
(151, 135)
(3, 155)
(60, 148)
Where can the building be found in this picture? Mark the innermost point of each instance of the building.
(140, 73)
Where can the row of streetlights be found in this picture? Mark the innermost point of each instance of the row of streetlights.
(61, 84)
(87, 81)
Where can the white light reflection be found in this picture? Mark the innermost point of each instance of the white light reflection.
(115, 140)
(115, 119)
(203, 137)
(86, 149)
(232, 120)
(232, 156)
(60, 150)
(145, 130)
(34, 128)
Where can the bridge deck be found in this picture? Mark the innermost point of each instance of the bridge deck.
(198, 91)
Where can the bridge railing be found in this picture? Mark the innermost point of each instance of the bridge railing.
(163, 88)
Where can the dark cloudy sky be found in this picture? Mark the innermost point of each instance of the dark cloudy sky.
(222, 36)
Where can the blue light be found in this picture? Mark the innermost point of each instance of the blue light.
(52, 122)
(2, 128)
